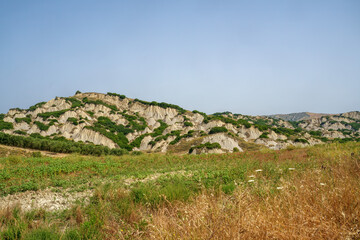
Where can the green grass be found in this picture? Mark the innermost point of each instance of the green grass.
(128, 188)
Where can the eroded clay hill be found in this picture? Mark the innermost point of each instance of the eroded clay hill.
(117, 122)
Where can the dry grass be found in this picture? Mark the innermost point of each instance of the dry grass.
(318, 204)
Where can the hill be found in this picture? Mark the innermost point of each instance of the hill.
(95, 123)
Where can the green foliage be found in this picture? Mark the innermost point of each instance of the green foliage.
(90, 113)
(355, 125)
(20, 132)
(6, 125)
(36, 141)
(134, 125)
(218, 130)
(264, 135)
(42, 126)
(286, 131)
(178, 137)
(73, 120)
(205, 145)
(116, 95)
(2, 116)
(25, 119)
(188, 124)
(77, 92)
(117, 136)
(42, 234)
(137, 141)
(162, 105)
(315, 133)
(244, 122)
(55, 114)
(301, 140)
(36, 106)
(74, 102)
(99, 102)
(158, 131)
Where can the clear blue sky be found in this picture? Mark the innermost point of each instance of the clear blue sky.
(249, 57)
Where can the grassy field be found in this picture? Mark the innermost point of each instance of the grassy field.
(301, 193)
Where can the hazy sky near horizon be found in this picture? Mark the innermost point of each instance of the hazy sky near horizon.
(250, 57)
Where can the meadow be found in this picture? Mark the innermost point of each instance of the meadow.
(296, 193)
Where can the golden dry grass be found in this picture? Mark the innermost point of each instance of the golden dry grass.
(318, 204)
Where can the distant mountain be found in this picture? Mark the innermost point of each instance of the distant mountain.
(96, 123)
(298, 116)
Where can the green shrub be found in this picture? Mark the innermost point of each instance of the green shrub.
(73, 120)
(6, 125)
(116, 95)
(99, 102)
(42, 126)
(25, 119)
(188, 124)
(218, 130)
(20, 132)
(38, 105)
(264, 135)
(207, 145)
(55, 114)
(74, 102)
(301, 140)
(162, 105)
(2, 116)
(90, 113)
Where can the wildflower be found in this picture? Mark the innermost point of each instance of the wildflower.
(322, 184)
(251, 180)
(252, 176)
(291, 168)
(258, 170)
(279, 188)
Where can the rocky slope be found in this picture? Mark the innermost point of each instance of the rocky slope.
(115, 121)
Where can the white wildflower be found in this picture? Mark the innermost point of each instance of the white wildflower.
(322, 184)
(279, 188)
(258, 170)
(252, 176)
(291, 169)
(251, 180)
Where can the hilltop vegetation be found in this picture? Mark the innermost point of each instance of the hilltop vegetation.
(163, 196)
(117, 125)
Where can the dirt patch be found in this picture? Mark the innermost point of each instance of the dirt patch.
(45, 199)
(6, 151)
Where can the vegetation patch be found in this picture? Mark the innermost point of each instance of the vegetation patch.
(116, 95)
(74, 102)
(25, 119)
(162, 105)
(36, 141)
(206, 145)
(36, 106)
(6, 125)
(55, 114)
(99, 102)
(218, 130)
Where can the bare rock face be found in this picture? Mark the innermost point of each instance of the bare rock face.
(225, 141)
(249, 133)
(353, 115)
(87, 135)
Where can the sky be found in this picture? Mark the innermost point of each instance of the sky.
(246, 56)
